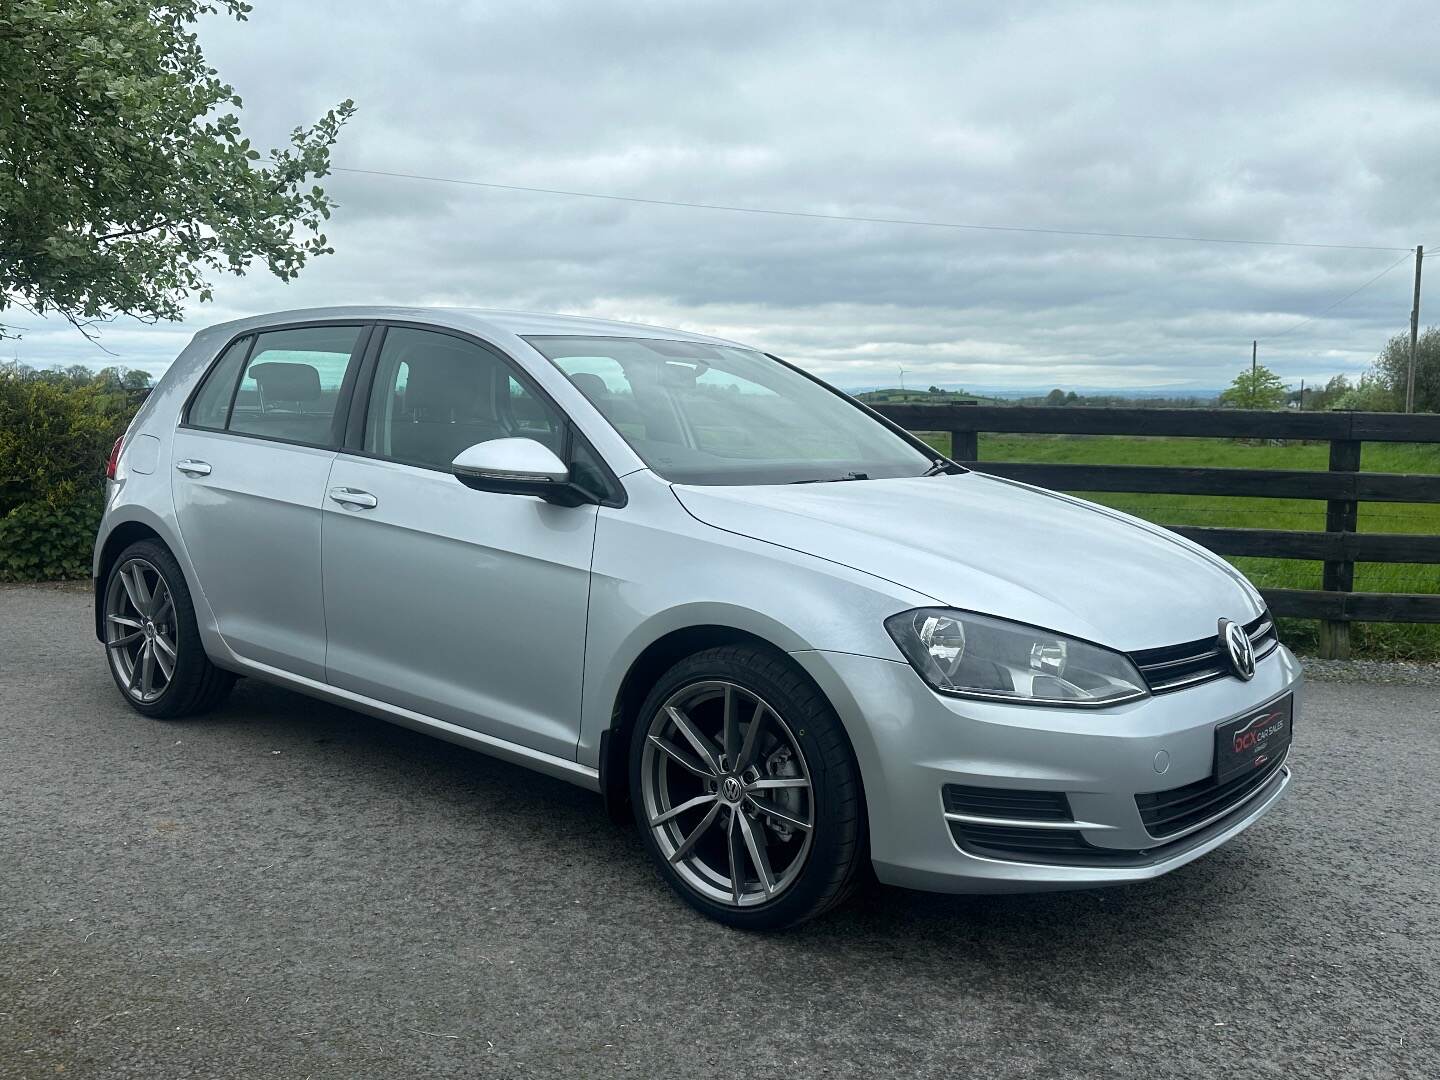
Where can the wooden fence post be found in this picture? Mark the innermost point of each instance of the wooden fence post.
(1341, 516)
(964, 446)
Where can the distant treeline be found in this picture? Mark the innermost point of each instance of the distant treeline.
(1056, 398)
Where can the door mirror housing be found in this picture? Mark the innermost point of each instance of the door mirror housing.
(516, 467)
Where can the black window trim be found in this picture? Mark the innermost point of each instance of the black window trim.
(343, 398)
(353, 444)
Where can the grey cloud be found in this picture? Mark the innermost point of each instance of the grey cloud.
(1283, 119)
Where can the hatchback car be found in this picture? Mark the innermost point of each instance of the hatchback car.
(788, 637)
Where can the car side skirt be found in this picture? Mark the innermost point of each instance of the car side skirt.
(560, 768)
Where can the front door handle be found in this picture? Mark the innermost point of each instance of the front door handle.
(193, 467)
(362, 500)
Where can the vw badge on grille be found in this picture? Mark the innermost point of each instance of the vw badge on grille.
(1235, 643)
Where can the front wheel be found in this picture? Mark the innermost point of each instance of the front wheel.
(746, 790)
(151, 638)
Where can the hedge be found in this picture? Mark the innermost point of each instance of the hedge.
(56, 430)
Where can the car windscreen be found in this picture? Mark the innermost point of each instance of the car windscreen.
(712, 414)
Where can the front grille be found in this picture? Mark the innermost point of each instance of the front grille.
(1174, 667)
(1014, 803)
(1166, 813)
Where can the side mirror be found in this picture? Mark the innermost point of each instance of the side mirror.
(515, 467)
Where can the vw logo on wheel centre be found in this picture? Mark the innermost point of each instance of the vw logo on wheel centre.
(1236, 645)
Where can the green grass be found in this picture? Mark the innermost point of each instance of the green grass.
(1381, 640)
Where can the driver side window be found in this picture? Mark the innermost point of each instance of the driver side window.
(433, 395)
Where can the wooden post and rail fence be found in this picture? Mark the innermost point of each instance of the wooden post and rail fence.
(1342, 488)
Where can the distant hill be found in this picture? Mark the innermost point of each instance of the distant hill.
(1010, 393)
(889, 395)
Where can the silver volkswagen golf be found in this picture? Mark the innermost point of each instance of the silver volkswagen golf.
(785, 635)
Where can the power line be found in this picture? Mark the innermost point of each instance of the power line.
(815, 215)
(1337, 303)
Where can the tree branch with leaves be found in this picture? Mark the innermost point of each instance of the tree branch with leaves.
(126, 183)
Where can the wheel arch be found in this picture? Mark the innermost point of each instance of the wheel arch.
(120, 537)
(644, 671)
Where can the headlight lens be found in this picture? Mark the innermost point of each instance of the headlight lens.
(977, 656)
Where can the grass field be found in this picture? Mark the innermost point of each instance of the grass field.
(1381, 640)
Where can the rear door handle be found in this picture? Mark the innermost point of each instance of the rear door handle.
(353, 497)
(193, 467)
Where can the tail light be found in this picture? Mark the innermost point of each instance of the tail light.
(114, 460)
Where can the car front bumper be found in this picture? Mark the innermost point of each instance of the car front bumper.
(911, 742)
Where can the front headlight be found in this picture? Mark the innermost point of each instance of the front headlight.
(977, 656)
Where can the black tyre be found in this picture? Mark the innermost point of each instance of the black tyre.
(151, 639)
(746, 790)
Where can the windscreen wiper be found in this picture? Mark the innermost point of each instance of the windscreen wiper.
(943, 465)
(835, 479)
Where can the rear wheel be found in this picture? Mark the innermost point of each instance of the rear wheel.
(746, 790)
(151, 638)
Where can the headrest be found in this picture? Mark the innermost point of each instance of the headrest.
(447, 385)
(590, 384)
(287, 382)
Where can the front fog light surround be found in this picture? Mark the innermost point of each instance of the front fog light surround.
(970, 655)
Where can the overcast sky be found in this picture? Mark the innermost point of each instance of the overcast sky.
(1296, 121)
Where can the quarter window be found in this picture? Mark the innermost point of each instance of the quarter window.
(436, 394)
(211, 407)
(292, 384)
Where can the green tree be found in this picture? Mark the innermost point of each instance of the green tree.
(1392, 368)
(1325, 397)
(124, 181)
(1371, 394)
(1055, 397)
(1257, 389)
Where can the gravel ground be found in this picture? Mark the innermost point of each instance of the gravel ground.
(1396, 673)
(286, 889)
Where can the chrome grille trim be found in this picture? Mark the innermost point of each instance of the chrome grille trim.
(1176, 667)
(1213, 654)
(1023, 823)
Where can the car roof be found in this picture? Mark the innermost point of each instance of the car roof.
(484, 322)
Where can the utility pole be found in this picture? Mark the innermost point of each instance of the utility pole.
(1302, 395)
(1254, 390)
(1414, 332)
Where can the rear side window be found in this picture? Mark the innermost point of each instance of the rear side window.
(211, 407)
(292, 382)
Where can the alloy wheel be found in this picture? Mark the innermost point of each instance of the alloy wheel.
(727, 793)
(140, 630)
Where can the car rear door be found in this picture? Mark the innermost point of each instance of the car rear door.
(466, 606)
(251, 459)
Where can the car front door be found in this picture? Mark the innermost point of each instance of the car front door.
(251, 459)
(462, 605)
